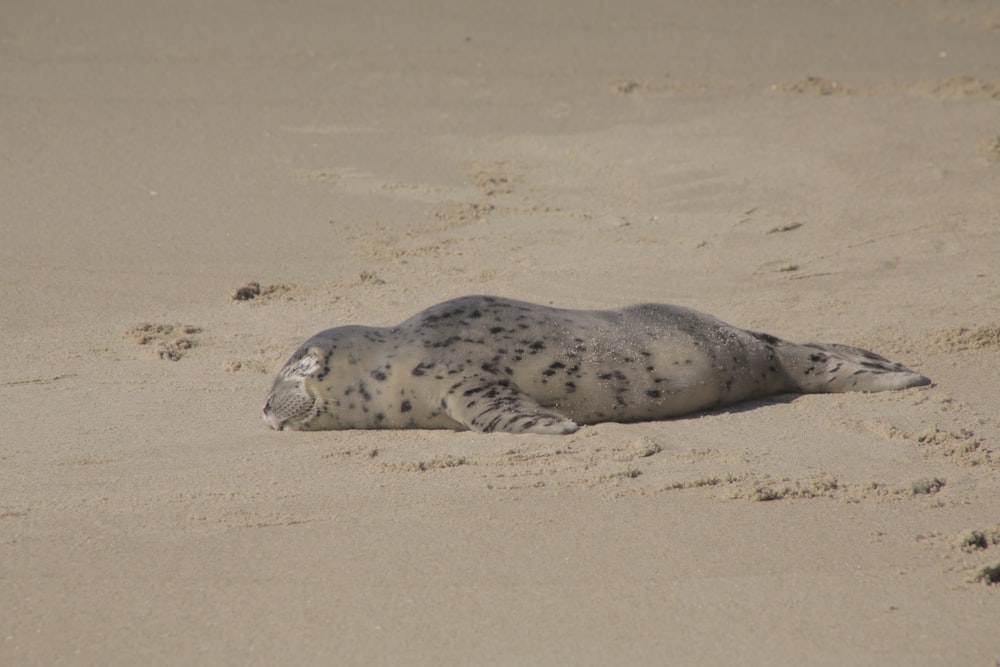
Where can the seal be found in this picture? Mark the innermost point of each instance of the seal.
(486, 363)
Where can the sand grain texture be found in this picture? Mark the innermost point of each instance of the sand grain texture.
(190, 190)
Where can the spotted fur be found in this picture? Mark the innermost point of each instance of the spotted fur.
(491, 364)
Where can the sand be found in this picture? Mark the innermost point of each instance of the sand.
(824, 171)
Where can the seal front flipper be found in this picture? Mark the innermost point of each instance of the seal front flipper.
(487, 404)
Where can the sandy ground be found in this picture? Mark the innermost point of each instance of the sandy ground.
(827, 173)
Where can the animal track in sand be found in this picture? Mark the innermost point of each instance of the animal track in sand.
(253, 291)
(962, 446)
(971, 552)
(813, 85)
(172, 341)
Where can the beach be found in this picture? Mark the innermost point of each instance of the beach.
(191, 190)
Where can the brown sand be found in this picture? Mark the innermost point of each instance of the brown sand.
(828, 173)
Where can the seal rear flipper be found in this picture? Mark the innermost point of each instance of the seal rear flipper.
(486, 404)
(831, 367)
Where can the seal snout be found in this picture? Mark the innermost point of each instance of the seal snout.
(269, 417)
(289, 405)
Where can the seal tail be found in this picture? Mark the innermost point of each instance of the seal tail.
(832, 368)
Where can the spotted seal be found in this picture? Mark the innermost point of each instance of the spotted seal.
(486, 363)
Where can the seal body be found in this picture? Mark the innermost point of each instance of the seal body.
(492, 364)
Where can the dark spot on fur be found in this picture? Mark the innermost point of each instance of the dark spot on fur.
(447, 342)
(766, 338)
(488, 428)
(421, 369)
(653, 393)
(405, 406)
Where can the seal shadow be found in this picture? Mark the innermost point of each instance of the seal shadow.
(745, 406)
